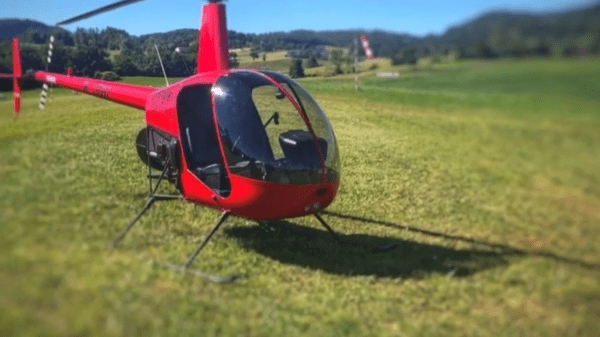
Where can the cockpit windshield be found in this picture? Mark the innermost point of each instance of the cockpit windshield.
(272, 130)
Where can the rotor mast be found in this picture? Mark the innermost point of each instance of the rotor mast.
(213, 44)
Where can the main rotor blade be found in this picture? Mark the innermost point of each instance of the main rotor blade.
(98, 11)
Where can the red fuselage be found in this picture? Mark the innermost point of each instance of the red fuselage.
(249, 198)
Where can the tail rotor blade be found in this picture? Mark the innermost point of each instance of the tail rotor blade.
(17, 74)
(44, 92)
(101, 10)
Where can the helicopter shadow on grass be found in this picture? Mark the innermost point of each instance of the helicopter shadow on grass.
(360, 254)
(504, 249)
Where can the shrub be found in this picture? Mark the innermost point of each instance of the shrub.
(296, 69)
(109, 76)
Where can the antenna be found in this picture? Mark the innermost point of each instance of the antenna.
(178, 51)
(161, 64)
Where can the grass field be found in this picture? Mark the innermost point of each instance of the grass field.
(276, 61)
(485, 175)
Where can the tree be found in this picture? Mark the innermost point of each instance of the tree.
(88, 59)
(426, 52)
(5, 65)
(124, 66)
(60, 55)
(31, 58)
(484, 51)
(336, 56)
(312, 62)
(5, 69)
(569, 51)
(543, 49)
(349, 62)
(408, 56)
(595, 45)
(264, 57)
(233, 61)
(296, 69)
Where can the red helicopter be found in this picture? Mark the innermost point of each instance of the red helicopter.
(250, 143)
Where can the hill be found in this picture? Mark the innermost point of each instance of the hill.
(499, 30)
(495, 34)
(15, 27)
(514, 33)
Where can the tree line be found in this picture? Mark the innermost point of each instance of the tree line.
(505, 34)
(93, 52)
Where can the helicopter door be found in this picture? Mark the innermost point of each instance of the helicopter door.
(199, 139)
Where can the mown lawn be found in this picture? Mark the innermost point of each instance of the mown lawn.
(483, 178)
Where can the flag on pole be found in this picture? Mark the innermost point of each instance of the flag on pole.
(366, 47)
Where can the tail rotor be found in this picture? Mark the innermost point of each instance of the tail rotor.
(45, 88)
(17, 75)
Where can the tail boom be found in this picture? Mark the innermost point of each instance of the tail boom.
(131, 95)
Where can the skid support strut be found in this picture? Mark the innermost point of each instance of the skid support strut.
(149, 202)
(324, 224)
(169, 171)
(185, 267)
(382, 248)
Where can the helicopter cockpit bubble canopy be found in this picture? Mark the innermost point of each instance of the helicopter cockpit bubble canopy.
(273, 130)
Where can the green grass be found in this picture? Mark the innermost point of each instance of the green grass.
(523, 87)
(157, 82)
(276, 61)
(282, 66)
(503, 152)
(244, 56)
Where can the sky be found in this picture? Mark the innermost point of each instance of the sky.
(417, 17)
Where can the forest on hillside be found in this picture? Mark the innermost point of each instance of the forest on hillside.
(90, 52)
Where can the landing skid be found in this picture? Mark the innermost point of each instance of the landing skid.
(185, 267)
(153, 198)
